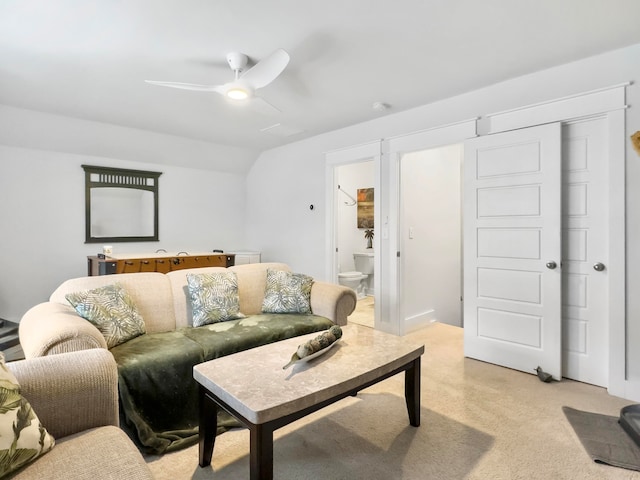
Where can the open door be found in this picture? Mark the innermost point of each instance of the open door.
(512, 249)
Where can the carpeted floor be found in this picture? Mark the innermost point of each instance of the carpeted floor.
(479, 421)
(363, 314)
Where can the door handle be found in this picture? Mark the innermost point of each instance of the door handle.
(598, 266)
(551, 265)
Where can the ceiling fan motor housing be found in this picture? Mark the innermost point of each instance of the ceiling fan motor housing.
(237, 61)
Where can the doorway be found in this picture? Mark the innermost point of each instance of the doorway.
(354, 168)
(431, 237)
(580, 241)
(353, 237)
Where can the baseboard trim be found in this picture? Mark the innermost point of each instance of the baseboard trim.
(421, 320)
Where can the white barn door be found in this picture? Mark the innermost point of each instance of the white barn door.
(585, 228)
(512, 249)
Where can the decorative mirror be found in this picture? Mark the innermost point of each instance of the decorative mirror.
(120, 205)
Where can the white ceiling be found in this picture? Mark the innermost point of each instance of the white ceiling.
(89, 59)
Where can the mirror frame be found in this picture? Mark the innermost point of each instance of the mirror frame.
(120, 178)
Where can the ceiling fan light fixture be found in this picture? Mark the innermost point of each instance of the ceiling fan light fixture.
(238, 91)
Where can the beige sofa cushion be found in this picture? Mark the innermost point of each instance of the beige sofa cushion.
(151, 292)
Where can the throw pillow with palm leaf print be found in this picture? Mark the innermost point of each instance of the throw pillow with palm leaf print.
(22, 436)
(287, 292)
(112, 310)
(214, 297)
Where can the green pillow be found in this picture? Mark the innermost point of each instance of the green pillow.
(214, 297)
(111, 310)
(287, 292)
(22, 436)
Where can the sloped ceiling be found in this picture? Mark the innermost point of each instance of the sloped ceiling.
(89, 59)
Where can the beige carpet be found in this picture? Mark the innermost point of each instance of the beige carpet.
(363, 314)
(479, 421)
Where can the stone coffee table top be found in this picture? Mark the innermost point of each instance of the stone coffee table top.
(254, 383)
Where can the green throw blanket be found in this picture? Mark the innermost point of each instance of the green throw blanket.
(158, 395)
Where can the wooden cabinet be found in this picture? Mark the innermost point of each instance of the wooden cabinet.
(162, 263)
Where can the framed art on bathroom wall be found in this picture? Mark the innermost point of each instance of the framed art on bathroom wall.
(365, 208)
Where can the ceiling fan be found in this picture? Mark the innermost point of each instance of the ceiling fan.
(246, 81)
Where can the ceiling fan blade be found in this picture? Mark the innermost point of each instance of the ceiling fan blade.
(266, 70)
(188, 86)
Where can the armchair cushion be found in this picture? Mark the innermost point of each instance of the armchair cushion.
(22, 436)
(101, 453)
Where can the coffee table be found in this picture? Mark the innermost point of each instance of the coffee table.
(253, 387)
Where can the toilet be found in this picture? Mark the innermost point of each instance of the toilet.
(357, 280)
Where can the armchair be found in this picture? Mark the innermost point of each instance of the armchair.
(75, 396)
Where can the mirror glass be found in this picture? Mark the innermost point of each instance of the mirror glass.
(121, 205)
(121, 212)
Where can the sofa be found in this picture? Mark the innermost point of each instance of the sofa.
(158, 396)
(75, 396)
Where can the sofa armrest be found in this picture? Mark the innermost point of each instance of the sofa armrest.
(71, 392)
(336, 302)
(50, 328)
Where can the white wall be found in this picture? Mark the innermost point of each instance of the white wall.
(279, 222)
(286, 231)
(41, 242)
(42, 228)
(44, 131)
(350, 237)
(431, 252)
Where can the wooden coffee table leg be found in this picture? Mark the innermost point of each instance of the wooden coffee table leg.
(261, 452)
(208, 427)
(412, 392)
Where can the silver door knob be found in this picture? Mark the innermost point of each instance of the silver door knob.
(551, 265)
(598, 266)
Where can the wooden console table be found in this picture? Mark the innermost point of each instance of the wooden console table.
(156, 262)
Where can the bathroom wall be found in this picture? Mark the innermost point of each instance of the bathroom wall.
(350, 238)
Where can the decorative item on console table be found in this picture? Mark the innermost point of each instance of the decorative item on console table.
(155, 262)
